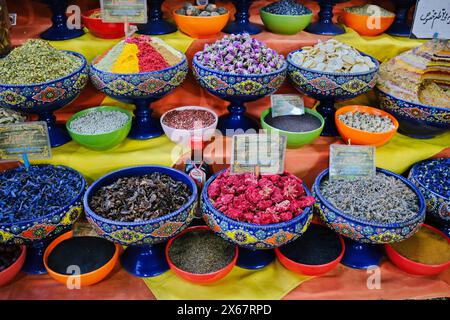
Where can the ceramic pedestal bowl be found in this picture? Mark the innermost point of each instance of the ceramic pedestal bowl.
(59, 29)
(416, 120)
(45, 98)
(141, 89)
(328, 87)
(145, 241)
(36, 234)
(241, 23)
(438, 205)
(363, 239)
(238, 89)
(255, 241)
(325, 24)
(156, 23)
(400, 27)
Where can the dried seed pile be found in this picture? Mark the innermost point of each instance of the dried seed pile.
(36, 192)
(370, 10)
(294, 123)
(189, 119)
(140, 198)
(36, 61)
(210, 10)
(201, 252)
(8, 255)
(367, 122)
(287, 8)
(99, 122)
(332, 56)
(9, 116)
(380, 199)
(435, 175)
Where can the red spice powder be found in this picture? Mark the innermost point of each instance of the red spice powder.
(149, 58)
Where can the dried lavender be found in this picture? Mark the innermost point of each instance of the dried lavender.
(36, 192)
(287, 7)
(187, 119)
(99, 122)
(380, 199)
(8, 255)
(367, 122)
(294, 123)
(140, 198)
(9, 116)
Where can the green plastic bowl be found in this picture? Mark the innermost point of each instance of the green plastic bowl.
(102, 141)
(295, 139)
(284, 24)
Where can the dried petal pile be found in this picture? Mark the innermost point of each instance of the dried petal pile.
(140, 198)
(264, 200)
(367, 122)
(189, 119)
(36, 192)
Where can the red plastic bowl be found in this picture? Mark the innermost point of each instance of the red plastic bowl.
(310, 270)
(199, 278)
(101, 29)
(415, 267)
(9, 273)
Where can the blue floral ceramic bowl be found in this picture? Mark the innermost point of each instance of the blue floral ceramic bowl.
(328, 87)
(238, 89)
(140, 89)
(416, 120)
(44, 98)
(144, 256)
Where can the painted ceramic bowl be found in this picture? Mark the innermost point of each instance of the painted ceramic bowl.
(7, 275)
(285, 24)
(416, 120)
(200, 26)
(366, 231)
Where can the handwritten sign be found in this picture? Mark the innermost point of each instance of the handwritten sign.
(258, 152)
(129, 11)
(286, 104)
(431, 20)
(28, 137)
(350, 162)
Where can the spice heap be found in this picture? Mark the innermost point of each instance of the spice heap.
(318, 245)
(36, 192)
(200, 252)
(88, 253)
(435, 176)
(426, 246)
(294, 123)
(210, 10)
(8, 255)
(287, 8)
(8, 116)
(370, 10)
(36, 61)
(332, 56)
(379, 199)
(240, 54)
(260, 200)
(139, 54)
(189, 119)
(99, 122)
(367, 122)
(140, 198)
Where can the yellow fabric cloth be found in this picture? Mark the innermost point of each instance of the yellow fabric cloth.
(270, 283)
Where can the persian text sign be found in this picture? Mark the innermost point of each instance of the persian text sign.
(431, 19)
(349, 162)
(28, 137)
(286, 104)
(133, 11)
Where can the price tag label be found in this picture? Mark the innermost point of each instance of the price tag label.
(431, 20)
(286, 104)
(130, 11)
(30, 138)
(350, 162)
(258, 153)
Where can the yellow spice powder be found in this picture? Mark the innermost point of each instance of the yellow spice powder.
(128, 61)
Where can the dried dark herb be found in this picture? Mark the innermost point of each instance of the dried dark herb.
(140, 198)
(36, 192)
(200, 252)
(294, 123)
(8, 255)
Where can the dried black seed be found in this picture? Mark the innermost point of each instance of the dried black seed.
(294, 123)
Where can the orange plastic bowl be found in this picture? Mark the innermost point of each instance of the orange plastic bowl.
(7, 275)
(101, 29)
(361, 23)
(310, 270)
(201, 27)
(86, 279)
(364, 137)
(200, 278)
(413, 267)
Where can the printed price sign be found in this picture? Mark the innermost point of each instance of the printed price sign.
(258, 152)
(350, 162)
(286, 104)
(431, 20)
(134, 11)
(30, 138)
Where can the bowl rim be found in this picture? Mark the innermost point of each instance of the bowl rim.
(336, 74)
(51, 82)
(210, 274)
(23, 251)
(387, 114)
(94, 109)
(86, 14)
(419, 264)
(56, 212)
(201, 17)
(266, 112)
(244, 224)
(413, 176)
(420, 215)
(261, 10)
(346, 11)
(156, 168)
(213, 126)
